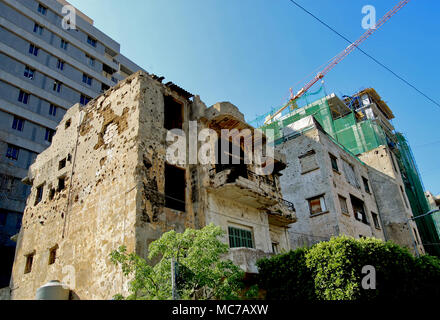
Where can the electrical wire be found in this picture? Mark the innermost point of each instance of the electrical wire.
(366, 54)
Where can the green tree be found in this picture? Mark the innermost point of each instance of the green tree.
(203, 274)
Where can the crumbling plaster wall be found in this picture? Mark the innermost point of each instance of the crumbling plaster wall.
(323, 180)
(97, 215)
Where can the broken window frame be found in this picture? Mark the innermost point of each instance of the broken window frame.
(322, 204)
(175, 199)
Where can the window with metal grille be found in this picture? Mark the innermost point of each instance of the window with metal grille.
(240, 238)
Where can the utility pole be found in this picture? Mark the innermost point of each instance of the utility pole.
(174, 271)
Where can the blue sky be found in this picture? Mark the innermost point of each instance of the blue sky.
(250, 52)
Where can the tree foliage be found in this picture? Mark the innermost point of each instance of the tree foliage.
(202, 272)
(332, 270)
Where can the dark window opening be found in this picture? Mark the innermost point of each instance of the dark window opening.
(175, 185)
(63, 44)
(334, 162)
(275, 247)
(239, 238)
(33, 50)
(230, 156)
(375, 220)
(42, 9)
(366, 185)
(49, 135)
(87, 79)
(53, 255)
(12, 152)
(51, 194)
(62, 164)
(84, 100)
(104, 87)
(359, 209)
(29, 261)
(173, 111)
(56, 86)
(29, 73)
(39, 195)
(91, 41)
(60, 64)
(52, 110)
(23, 97)
(61, 183)
(18, 124)
(38, 29)
(68, 123)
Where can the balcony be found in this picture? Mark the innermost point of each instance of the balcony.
(258, 191)
(239, 183)
(282, 214)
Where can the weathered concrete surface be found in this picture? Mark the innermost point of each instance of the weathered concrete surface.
(311, 176)
(5, 293)
(112, 157)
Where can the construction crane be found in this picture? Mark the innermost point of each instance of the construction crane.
(333, 62)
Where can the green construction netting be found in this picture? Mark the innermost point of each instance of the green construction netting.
(429, 225)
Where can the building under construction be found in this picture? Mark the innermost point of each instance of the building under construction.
(360, 124)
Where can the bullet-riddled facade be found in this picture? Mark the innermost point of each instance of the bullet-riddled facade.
(106, 181)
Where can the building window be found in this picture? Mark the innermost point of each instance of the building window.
(57, 86)
(18, 124)
(60, 64)
(350, 174)
(87, 79)
(23, 97)
(90, 60)
(62, 164)
(3, 218)
(51, 194)
(275, 247)
(38, 29)
(61, 183)
(63, 44)
(334, 162)
(33, 50)
(366, 185)
(173, 111)
(343, 203)
(359, 209)
(12, 152)
(29, 261)
(52, 110)
(49, 135)
(39, 195)
(84, 100)
(308, 162)
(239, 238)
(29, 73)
(42, 9)
(91, 41)
(375, 220)
(317, 205)
(175, 185)
(403, 196)
(53, 255)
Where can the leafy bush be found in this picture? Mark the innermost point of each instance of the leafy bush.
(202, 272)
(332, 270)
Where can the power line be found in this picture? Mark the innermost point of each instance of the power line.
(365, 53)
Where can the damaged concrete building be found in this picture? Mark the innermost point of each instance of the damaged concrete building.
(105, 181)
(342, 174)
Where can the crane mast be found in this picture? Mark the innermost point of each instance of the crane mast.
(338, 58)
